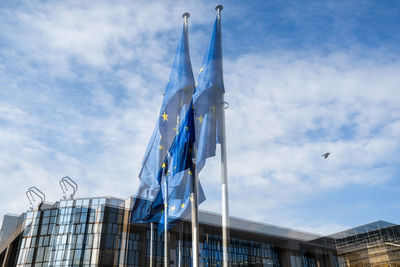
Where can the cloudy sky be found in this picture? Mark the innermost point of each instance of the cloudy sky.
(81, 85)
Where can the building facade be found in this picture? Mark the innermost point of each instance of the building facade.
(97, 232)
(374, 244)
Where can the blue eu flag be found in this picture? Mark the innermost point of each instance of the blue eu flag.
(209, 100)
(177, 97)
(180, 169)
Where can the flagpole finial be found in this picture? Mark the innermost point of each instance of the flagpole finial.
(219, 9)
(185, 17)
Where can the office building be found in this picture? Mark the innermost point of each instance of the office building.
(97, 232)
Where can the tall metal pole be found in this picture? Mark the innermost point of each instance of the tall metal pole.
(194, 195)
(166, 243)
(224, 183)
(151, 243)
(225, 200)
(195, 217)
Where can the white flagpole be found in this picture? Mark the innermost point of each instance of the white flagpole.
(224, 183)
(166, 243)
(151, 243)
(225, 201)
(195, 217)
(194, 196)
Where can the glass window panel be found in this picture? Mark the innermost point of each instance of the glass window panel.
(23, 242)
(73, 240)
(43, 230)
(40, 254)
(68, 254)
(91, 216)
(90, 228)
(83, 217)
(76, 218)
(85, 202)
(80, 240)
(89, 240)
(63, 240)
(47, 254)
(100, 216)
(59, 255)
(54, 212)
(51, 227)
(86, 258)
(34, 230)
(21, 256)
(83, 228)
(95, 201)
(29, 256)
(33, 243)
(45, 220)
(77, 256)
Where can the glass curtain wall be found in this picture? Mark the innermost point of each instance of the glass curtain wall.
(90, 232)
(81, 232)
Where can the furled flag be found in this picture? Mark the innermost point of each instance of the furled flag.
(208, 100)
(177, 97)
(179, 175)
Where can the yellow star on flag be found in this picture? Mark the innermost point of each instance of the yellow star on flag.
(182, 205)
(200, 118)
(164, 116)
(173, 208)
(190, 172)
(160, 147)
(202, 68)
(163, 165)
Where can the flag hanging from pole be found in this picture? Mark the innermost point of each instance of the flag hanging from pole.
(208, 100)
(180, 173)
(178, 94)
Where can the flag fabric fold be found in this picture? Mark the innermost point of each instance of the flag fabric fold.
(173, 144)
(180, 173)
(177, 96)
(208, 100)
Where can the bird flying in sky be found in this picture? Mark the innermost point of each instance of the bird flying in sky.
(326, 154)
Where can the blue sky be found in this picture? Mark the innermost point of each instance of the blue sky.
(81, 85)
